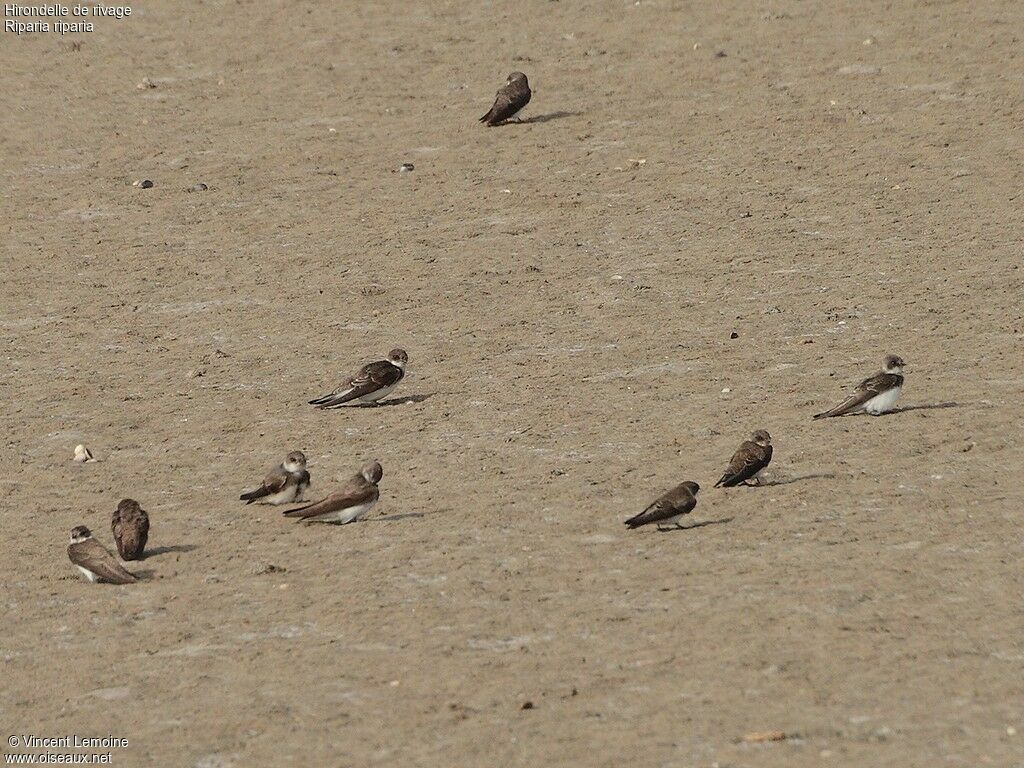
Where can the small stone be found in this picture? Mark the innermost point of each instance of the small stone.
(146, 83)
(726, 391)
(759, 736)
(83, 455)
(200, 187)
(143, 184)
(406, 168)
(868, 41)
(527, 705)
(262, 569)
(734, 335)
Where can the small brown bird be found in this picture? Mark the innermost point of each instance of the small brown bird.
(286, 483)
(509, 101)
(348, 503)
(93, 559)
(669, 508)
(130, 525)
(876, 394)
(747, 463)
(371, 383)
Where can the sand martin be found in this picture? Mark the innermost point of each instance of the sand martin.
(286, 483)
(94, 561)
(509, 101)
(746, 464)
(373, 382)
(669, 507)
(348, 503)
(874, 395)
(130, 525)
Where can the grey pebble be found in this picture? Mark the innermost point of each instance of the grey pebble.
(198, 187)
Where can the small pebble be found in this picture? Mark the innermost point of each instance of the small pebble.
(198, 188)
(726, 391)
(734, 335)
(146, 83)
(261, 569)
(142, 183)
(83, 455)
(406, 168)
(527, 705)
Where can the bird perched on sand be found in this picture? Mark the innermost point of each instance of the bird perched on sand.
(876, 394)
(93, 559)
(347, 504)
(286, 483)
(509, 101)
(747, 463)
(669, 508)
(130, 525)
(371, 383)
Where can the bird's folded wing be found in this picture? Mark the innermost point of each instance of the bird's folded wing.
(276, 480)
(668, 505)
(350, 496)
(91, 555)
(750, 459)
(504, 107)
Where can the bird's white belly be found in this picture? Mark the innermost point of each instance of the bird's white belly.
(883, 402)
(88, 574)
(350, 515)
(376, 395)
(285, 496)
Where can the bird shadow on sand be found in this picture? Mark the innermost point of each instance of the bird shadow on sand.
(801, 478)
(395, 401)
(155, 551)
(547, 117)
(702, 524)
(398, 516)
(925, 407)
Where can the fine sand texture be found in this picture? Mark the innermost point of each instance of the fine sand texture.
(714, 218)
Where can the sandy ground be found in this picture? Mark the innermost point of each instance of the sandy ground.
(830, 181)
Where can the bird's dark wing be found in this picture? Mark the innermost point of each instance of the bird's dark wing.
(357, 491)
(867, 389)
(131, 530)
(678, 501)
(750, 459)
(272, 483)
(370, 378)
(507, 102)
(92, 556)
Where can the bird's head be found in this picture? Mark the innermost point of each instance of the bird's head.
(128, 506)
(398, 357)
(761, 437)
(295, 461)
(893, 364)
(691, 486)
(372, 471)
(79, 534)
(517, 78)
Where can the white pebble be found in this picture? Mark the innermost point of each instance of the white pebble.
(83, 455)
